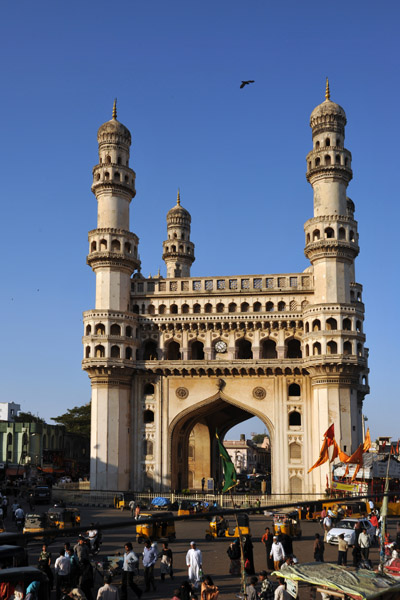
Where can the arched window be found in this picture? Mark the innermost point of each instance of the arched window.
(244, 307)
(316, 326)
(115, 329)
(220, 307)
(257, 307)
(103, 245)
(317, 145)
(148, 416)
(296, 485)
(327, 142)
(128, 353)
(108, 159)
(307, 350)
(342, 233)
(316, 348)
(331, 347)
(352, 236)
(268, 349)
(316, 234)
(347, 324)
(88, 329)
(327, 159)
(337, 159)
(329, 233)
(117, 176)
(294, 389)
(294, 419)
(317, 162)
(197, 350)
(151, 309)
(99, 352)
(173, 309)
(87, 352)
(161, 309)
(115, 352)
(307, 328)
(173, 351)
(148, 389)
(93, 247)
(115, 246)
(347, 349)
(281, 306)
(293, 349)
(208, 307)
(269, 307)
(295, 451)
(196, 308)
(359, 326)
(128, 331)
(232, 307)
(147, 448)
(185, 309)
(150, 350)
(331, 324)
(243, 349)
(173, 248)
(100, 329)
(128, 248)
(135, 309)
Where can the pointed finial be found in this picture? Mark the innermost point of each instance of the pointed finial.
(114, 114)
(158, 272)
(327, 90)
(178, 200)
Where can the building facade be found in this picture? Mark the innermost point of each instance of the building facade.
(173, 359)
(9, 410)
(248, 457)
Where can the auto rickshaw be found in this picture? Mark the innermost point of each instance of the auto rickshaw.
(350, 509)
(35, 523)
(219, 527)
(160, 528)
(123, 501)
(191, 507)
(12, 556)
(63, 518)
(287, 523)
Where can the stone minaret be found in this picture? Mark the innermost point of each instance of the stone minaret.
(178, 250)
(333, 339)
(110, 329)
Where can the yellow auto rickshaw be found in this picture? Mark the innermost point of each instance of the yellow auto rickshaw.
(35, 523)
(219, 527)
(287, 523)
(191, 507)
(63, 518)
(124, 501)
(356, 510)
(161, 527)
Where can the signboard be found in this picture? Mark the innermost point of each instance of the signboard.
(343, 486)
(379, 468)
(210, 484)
(292, 587)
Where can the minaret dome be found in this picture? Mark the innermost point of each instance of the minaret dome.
(178, 250)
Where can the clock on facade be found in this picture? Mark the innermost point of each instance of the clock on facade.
(220, 346)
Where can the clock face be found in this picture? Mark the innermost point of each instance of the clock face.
(220, 346)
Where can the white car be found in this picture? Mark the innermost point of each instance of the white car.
(346, 526)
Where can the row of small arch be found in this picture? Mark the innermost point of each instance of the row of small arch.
(181, 248)
(332, 348)
(114, 247)
(329, 233)
(25, 441)
(331, 324)
(327, 143)
(117, 177)
(219, 308)
(328, 161)
(108, 160)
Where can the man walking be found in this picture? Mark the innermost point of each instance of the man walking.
(277, 553)
(108, 591)
(194, 562)
(149, 560)
(129, 568)
(267, 540)
(364, 543)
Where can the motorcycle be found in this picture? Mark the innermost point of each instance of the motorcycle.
(94, 543)
(20, 521)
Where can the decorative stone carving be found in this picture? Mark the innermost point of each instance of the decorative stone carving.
(259, 393)
(182, 393)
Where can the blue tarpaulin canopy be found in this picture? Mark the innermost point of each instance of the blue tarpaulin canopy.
(160, 501)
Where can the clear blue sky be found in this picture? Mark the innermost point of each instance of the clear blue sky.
(237, 155)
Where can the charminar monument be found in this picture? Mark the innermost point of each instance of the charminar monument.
(172, 359)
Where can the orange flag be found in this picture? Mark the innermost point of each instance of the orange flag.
(336, 451)
(330, 434)
(367, 441)
(343, 457)
(355, 472)
(323, 455)
(346, 471)
(357, 457)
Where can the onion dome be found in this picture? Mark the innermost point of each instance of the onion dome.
(328, 112)
(178, 211)
(113, 131)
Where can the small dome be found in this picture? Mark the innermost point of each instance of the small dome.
(327, 109)
(178, 210)
(113, 130)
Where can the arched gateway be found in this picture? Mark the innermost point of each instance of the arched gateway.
(181, 356)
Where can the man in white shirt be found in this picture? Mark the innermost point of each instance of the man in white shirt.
(280, 592)
(62, 568)
(108, 591)
(277, 553)
(194, 562)
(327, 525)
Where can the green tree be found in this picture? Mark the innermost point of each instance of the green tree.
(258, 438)
(76, 420)
(28, 417)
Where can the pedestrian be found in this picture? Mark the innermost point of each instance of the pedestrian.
(166, 564)
(375, 524)
(342, 550)
(327, 525)
(194, 562)
(267, 590)
(81, 550)
(209, 591)
(108, 591)
(32, 591)
(234, 554)
(203, 483)
(62, 568)
(287, 543)
(267, 540)
(86, 578)
(288, 562)
(149, 560)
(280, 592)
(44, 563)
(277, 553)
(319, 548)
(248, 555)
(364, 543)
(251, 592)
(129, 568)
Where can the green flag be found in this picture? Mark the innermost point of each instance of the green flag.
(229, 470)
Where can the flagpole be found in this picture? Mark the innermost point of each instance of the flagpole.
(384, 509)
(242, 572)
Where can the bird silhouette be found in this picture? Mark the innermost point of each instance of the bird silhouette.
(246, 83)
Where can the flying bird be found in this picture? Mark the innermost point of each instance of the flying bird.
(246, 83)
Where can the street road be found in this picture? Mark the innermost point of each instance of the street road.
(215, 559)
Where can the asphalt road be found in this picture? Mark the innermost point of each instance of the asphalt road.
(215, 559)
